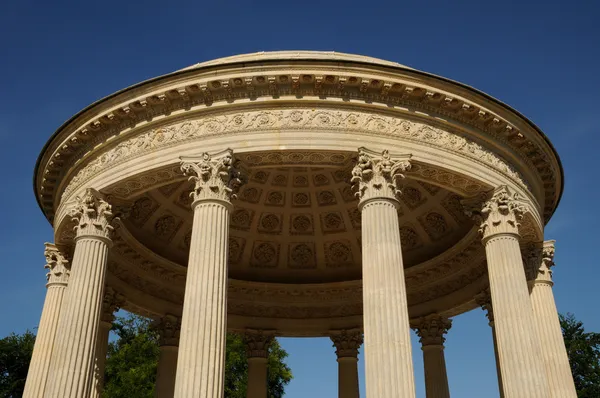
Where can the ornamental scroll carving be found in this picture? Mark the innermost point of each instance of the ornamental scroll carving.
(500, 214)
(292, 119)
(57, 265)
(111, 303)
(431, 329)
(92, 215)
(539, 260)
(214, 179)
(378, 176)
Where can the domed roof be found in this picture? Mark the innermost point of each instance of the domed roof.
(299, 55)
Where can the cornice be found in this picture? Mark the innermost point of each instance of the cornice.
(206, 87)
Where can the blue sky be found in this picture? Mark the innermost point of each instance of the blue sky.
(540, 57)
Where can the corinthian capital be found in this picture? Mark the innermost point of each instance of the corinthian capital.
(498, 213)
(347, 342)
(431, 329)
(111, 303)
(484, 300)
(539, 260)
(215, 178)
(57, 265)
(93, 215)
(257, 343)
(378, 176)
(169, 327)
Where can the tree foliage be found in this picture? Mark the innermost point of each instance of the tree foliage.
(583, 349)
(15, 354)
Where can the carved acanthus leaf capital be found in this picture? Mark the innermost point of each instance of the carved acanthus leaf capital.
(169, 327)
(258, 342)
(378, 176)
(539, 260)
(92, 215)
(484, 300)
(431, 329)
(111, 303)
(498, 212)
(347, 342)
(215, 178)
(58, 266)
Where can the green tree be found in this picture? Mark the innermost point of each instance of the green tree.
(15, 354)
(132, 361)
(583, 349)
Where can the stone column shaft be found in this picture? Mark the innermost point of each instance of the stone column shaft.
(111, 303)
(201, 362)
(388, 355)
(548, 330)
(257, 352)
(347, 343)
(348, 386)
(72, 374)
(431, 330)
(484, 299)
(166, 372)
(519, 353)
(257, 377)
(169, 332)
(39, 367)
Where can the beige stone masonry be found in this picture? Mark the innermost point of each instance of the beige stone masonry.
(57, 277)
(547, 324)
(388, 355)
(522, 367)
(347, 343)
(73, 359)
(257, 347)
(431, 330)
(201, 362)
(169, 329)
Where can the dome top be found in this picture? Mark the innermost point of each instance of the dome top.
(299, 55)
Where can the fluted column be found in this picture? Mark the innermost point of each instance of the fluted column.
(257, 352)
(72, 374)
(169, 328)
(484, 299)
(431, 331)
(523, 373)
(201, 362)
(57, 279)
(388, 356)
(346, 345)
(547, 325)
(112, 302)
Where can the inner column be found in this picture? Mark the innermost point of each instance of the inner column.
(388, 354)
(201, 361)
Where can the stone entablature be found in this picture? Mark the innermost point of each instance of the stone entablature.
(430, 95)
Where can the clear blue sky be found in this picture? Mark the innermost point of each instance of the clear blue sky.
(540, 57)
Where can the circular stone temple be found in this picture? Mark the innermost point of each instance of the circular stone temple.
(299, 194)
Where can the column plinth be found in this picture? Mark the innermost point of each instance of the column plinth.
(201, 362)
(169, 331)
(547, 323)
(73, 359)
(519, 353)
(431, 331)
(346, 345)
(388, 356)
(257, 351)
(57, 279)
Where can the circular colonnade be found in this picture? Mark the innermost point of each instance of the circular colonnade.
(299, 194)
